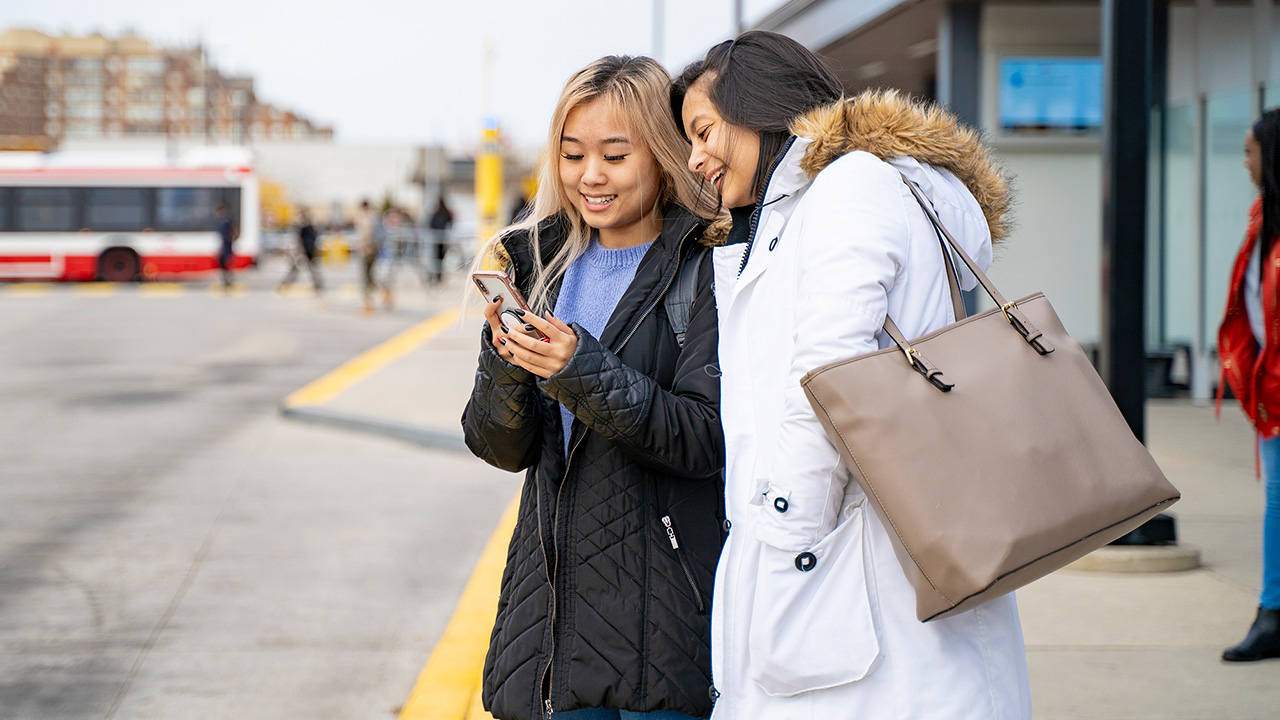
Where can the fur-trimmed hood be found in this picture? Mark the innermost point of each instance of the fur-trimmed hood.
(888, 124)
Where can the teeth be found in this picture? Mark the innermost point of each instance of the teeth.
(716, 178)
(602, 200)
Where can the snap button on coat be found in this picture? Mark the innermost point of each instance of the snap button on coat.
(806, 561)
(780, 504)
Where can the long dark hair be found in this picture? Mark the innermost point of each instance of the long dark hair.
(760, 81)
(1266, 130)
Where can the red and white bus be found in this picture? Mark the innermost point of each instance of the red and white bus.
(123, 216)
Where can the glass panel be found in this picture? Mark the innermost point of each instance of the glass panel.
(1228, 195)
(1181, 256)
(6, 208)
(231, 196)
(116, 209)
(46, 209)
(1155, 248)
(1271, 95)
(186, 208)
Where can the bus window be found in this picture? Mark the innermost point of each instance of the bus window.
(6, 209)
(117, 209)
(46, 209)
(186, 208)
(231, 196)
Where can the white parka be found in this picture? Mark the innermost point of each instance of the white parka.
(829, 257)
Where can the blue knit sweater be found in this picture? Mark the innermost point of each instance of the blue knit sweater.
(592, 286)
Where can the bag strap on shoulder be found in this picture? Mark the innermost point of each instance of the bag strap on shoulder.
(1016, 318)
(680, 297)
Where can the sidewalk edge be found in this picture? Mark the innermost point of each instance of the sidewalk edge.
(424, 436)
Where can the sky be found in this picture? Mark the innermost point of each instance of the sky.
(405, 71)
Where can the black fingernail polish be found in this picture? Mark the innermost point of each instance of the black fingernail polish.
(497, 299)
(519, 313)
(504, 328)
(502, 341)
(528, 326)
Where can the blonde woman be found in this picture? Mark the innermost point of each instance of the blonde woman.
(605, 607)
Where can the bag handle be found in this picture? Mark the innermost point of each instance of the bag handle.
(1012, 314)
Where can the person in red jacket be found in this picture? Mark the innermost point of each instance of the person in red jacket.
(1247, 345)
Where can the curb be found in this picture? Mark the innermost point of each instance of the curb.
(1139, 559)
(422, 436)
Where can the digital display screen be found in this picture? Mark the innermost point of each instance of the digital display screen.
(1054, 94)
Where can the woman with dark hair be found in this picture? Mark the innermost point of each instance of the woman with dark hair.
(812, 615)
(1247, 342)
(604, 610)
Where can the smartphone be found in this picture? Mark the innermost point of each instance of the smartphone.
(492, 283)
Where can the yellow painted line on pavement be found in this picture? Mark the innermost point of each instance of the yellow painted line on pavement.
(160, 289)
(296, 291)
(220, 290)
(370, 361)
(449, 686)
(28, 289)
(97, 289)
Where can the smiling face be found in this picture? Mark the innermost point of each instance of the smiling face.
(610, 176)
(1253, 158)
(724, 155)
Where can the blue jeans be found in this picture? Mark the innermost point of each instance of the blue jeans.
(602, 714)
(1270, 451)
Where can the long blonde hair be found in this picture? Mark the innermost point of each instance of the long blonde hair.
(638, 90)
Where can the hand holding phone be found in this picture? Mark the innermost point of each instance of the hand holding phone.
(512, 310)
(541, 345)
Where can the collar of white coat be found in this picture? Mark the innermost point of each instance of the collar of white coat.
(786, 182)
(787, 178)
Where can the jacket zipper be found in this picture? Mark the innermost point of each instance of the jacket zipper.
(684, 565)
(548, 674)
(755, 216)
(551, 580)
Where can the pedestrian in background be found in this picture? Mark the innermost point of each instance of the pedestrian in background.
(440, 222)
(304, 253)
(1247, 347)
(394, 246)
(227, 233)
(604, 608)
(813, 615)
(369, 233)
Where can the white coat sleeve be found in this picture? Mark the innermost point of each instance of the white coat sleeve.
(852, 248)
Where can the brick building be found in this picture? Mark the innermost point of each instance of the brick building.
(54, 88)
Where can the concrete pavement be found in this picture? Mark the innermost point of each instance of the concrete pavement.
(171, 548)
(1099, 645)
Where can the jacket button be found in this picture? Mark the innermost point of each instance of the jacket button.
(727, 525)
(780, 504)
(773, 244)
(806, 561)
(713, 693)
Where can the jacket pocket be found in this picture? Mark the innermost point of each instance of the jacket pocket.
(668, 526)
(816, 628)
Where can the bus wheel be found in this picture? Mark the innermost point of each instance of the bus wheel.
(118, 265)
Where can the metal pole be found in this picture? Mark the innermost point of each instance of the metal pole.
(659, 25)
(1127, 45)
(958, 69)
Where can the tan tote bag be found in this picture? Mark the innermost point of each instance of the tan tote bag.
(990, 449)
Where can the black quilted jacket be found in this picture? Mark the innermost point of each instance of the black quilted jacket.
(606, 596)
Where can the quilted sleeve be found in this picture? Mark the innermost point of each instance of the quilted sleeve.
(676, 432)
(501, 423)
